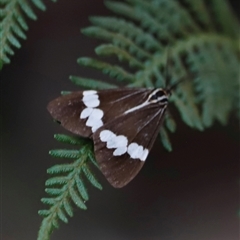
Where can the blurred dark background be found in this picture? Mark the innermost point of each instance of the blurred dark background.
(191, 193)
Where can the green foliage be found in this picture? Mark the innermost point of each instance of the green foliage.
(66, 186)
(203, 40)
(13, 24)
(91, 83)
(204, 52)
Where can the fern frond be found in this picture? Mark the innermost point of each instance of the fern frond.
(123, 55)
(119, 40)
(170, 123)
(62, 153)
(165, 139)
(204, 52)
(81, 188)
(120, 28)
(90, 83)
(13, 24)
(113, 71)
(54, 191)
(203, 38)
(91, 177)
(67, 185)
(60, 169)
(69, 139)
(217, 81)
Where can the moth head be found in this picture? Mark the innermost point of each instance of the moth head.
(159, 95)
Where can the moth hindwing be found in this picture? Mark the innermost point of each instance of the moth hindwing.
(123, 124)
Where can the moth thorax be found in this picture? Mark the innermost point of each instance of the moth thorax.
(158, 96)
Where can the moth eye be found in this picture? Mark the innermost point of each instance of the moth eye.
(157, 95)
(160, 94)
(153, 97)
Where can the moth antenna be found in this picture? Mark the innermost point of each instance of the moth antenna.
(167, 76)
(173, 86)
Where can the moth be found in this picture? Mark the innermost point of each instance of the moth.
(123, 124)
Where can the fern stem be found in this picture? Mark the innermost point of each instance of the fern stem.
(73, 189)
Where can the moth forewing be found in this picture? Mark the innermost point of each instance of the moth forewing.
(122, 145)
(67, 109)
(84, 112)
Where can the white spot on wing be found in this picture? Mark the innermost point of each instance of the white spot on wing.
(137, 152)
(86, 113)
(121, 141)
(120, 144)
(120, 151)
(132, 148)
(117, 142)
(89, 97)
(89, 92)
(144, 155)
(92, 120)
(111, 143)
(94, 115)
(97, 125)
(92, 103)
(97, 113)
(106, 135)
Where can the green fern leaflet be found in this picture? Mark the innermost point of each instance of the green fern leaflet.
(203, 38)
(13, 24)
